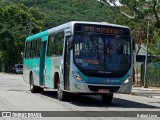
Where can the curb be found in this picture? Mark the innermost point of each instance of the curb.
(146, 93)
(146, 89)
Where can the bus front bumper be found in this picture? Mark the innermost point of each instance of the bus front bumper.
(81, 87)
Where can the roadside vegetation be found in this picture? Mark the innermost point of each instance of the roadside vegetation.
(21, 18)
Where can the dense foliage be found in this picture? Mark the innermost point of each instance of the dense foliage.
(143, 17)
(16, 22)
(140, 16)
(20, 18)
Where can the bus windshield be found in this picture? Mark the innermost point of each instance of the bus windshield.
(102, 53)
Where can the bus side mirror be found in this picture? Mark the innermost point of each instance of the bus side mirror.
(68, 32)
(133, 46)
(69, 38)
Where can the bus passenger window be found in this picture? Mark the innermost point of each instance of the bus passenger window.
(26, 50)
(33, 49)
(38, 47)
(59, 43)
(55, 44)
(28, 47)
(50, 50)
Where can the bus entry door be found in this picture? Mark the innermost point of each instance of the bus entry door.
(42, 62)
(67, 62)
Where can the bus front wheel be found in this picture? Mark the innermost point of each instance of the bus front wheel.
(60, 93)
(33, 88)
(107, 98)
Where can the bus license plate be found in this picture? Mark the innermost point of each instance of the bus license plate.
(103, 91)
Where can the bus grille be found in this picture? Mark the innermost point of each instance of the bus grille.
(110, 88)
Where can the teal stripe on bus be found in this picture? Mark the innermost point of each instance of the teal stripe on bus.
(41, 34)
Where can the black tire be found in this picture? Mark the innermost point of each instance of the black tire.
(61, 95)
(33, 88)
(39, 89)
(107, 98)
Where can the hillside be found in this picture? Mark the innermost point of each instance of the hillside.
(60, 11)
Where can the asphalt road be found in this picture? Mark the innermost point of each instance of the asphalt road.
(15, 96)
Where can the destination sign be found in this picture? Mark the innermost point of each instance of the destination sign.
(101, 29)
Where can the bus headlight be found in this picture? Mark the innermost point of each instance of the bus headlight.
(77, 77)
(128, 80)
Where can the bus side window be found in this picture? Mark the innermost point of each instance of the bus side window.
(26, 50)
(28, 47)
(55, 44)
(58, 43)
(33, 49)
(38, 47)
(50, 49)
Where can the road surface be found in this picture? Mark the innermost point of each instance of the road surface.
(15, 96)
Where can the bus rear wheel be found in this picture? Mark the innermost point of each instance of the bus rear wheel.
(33, 88)
(61, 95)
(107, 98)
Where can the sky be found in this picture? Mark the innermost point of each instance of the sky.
(116, 2)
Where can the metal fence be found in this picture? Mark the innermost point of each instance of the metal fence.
(152, 75)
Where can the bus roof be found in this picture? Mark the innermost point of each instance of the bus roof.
(67, 26)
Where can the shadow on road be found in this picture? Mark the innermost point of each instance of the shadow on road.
(95, 101)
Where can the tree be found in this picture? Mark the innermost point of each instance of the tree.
(135, 13)
(17, 21)
(23, 17)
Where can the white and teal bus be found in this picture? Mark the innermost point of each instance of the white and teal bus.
(81, 58)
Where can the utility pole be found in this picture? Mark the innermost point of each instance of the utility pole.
(146, 57)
